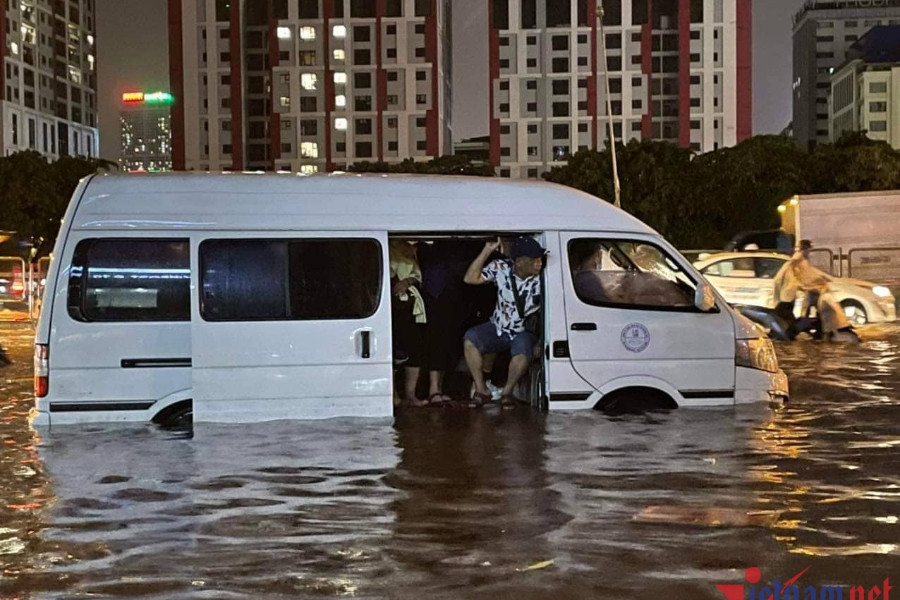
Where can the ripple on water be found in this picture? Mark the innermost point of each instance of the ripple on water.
(456, 504)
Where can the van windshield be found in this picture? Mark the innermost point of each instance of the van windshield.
(628, 273)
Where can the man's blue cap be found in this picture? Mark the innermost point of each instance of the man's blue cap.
(526, 246)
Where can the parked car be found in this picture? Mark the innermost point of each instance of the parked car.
(747, 278)
(776, 240)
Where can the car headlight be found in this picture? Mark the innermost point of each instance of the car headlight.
(881, 291)
(756, 354)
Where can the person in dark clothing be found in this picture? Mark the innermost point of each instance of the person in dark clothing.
(442, 289)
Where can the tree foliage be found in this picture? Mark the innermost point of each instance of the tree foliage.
(443, 165)
(34, 193)
(701, 201)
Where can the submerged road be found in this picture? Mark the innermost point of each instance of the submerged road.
(466, 504)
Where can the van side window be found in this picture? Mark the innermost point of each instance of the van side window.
(279, 279)
(628, 274)
(130, 280)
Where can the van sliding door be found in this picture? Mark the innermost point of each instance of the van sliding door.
(291, 326)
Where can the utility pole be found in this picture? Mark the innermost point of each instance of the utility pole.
(612, 132)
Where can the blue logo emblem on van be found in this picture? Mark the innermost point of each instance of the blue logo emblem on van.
(635, 337)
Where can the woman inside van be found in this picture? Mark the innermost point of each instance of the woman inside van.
(418, 322)
(408, 315)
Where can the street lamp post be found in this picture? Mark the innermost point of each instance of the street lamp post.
(612, 132)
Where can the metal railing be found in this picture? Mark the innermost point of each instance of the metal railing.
(27, 305)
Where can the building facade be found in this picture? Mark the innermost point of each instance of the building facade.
(48, 78)
(308, 85)
(145, 132)
(865, 92)
(680, 71)
(824, 31)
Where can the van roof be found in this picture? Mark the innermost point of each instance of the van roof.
(335, 202)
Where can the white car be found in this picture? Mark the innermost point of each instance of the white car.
(747, 278)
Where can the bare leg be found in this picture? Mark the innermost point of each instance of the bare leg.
(412, 379)
(517, 367)
(487, 364)
(436, 380)
(475, 362)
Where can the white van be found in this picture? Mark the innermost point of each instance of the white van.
(249, 297)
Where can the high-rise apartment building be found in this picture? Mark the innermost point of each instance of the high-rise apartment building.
(145, 132)
(865, 92)
(680, 71)
(48, 77)
(308, 85)
(824, 31)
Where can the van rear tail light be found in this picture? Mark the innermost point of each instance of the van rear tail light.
(18, 282)
(41, 370)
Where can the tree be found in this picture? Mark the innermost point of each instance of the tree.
(443, 165)
(741, 187)
(855, 164)
(656, 184)
(36, 193)
(696, 201)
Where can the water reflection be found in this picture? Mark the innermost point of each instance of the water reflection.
(460, 504)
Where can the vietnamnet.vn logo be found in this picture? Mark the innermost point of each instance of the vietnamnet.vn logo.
(792, 589)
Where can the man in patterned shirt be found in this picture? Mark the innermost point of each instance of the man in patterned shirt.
(506, 329)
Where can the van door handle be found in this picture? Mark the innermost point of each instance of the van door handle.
(584, 327)
(365, 338)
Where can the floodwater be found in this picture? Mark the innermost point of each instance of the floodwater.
(465, 504)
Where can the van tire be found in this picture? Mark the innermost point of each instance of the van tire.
(176, 416)
(635, 400)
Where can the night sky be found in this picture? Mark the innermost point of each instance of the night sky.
(132, 54)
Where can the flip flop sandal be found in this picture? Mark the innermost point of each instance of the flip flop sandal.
(478, 400)
(439, 400)
(508, 401)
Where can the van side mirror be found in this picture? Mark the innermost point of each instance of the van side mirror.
(704, 299)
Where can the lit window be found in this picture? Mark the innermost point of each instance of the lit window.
(307, 33)
(286, 101)
(308, 81)
(284, 33)
(340, 101)
(90, 59)
(339, 31)
(340, 124)
(309, 169)
(340, 78)
(90, 39)
(339, 54)
(309, 149)
(14, 47)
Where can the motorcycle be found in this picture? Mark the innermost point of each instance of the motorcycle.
(829, 323)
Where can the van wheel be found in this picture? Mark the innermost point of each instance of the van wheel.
(634, 401)
(855, 312)
(178, 416)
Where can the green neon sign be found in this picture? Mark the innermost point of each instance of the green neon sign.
(159, 98)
